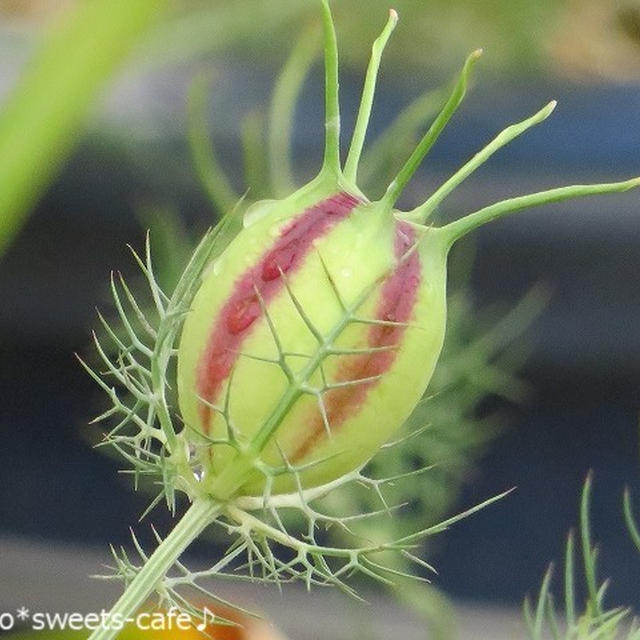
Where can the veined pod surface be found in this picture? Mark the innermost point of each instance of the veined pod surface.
(316, 332)
(350, 300)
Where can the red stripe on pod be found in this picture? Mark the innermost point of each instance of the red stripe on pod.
(233, 323)
(397, 299)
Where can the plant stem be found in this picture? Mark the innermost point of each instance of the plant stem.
(424, 211)
(220, 192)
(459, 228)
(428, 140)
(368, 92)
(282, 112)
(195, 520)
(331, 162)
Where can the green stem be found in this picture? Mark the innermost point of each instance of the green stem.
(220, 192)
(400, 134)
(424, 146)
(424, 211)
(588, 552)
(368, 92)
(569, 582)
(282, 112)
(630, 520)
(195, 520)
(252, 523)
(159, 365)
(256, 170)
(459, 228)
(331, 161)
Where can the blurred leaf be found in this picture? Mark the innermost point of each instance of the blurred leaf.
(42, 118)
(437, 33)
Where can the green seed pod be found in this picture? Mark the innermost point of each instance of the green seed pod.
(316, 332)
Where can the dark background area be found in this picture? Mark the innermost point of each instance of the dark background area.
(585, 370)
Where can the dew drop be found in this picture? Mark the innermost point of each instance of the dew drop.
(257, 211)
(274, 232)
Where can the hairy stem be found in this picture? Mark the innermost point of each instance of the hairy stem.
(201, 513)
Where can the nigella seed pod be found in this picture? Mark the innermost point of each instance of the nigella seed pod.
(329, 332)
(316, 332)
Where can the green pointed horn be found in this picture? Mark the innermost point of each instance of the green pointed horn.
(424, 146)
(366, 102)
(331, 161)
(424, 211)
(402, 129)
(459, 228)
